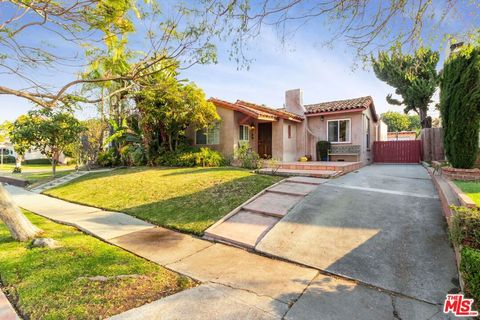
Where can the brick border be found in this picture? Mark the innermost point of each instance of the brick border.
(461, 174)
(464, 199)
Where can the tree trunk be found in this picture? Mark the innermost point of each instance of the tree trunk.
(19, 226)
(54, 166)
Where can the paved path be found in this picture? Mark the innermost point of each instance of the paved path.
(236, 284)
(65, 179)
(382, 225)
(7, 312)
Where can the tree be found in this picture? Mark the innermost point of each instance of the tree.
(92, 140)
(48, 131)
(414, 78)
(167, 107)
(460, 106)
(414, 122)
(395, 121)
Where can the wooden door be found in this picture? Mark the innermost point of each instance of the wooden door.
(265, 140)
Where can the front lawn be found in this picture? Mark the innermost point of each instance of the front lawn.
(57, 284)
(471, 188)
(35, 174)
(187, 199)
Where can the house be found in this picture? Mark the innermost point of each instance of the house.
(31, 155)
(289, 133)
(401, 136)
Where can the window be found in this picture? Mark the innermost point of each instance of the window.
(289, 131)
(339, 131)
(210, 135)
(243, 133)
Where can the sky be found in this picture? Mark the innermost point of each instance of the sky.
(323, 73)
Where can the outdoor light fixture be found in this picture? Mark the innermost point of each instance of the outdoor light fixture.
(322, 118)
(252, 126)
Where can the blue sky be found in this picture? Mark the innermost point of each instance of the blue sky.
(323, 73)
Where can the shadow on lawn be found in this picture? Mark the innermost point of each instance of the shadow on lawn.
(195, 212)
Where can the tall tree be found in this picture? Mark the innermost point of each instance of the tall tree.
(460, 106)
(395, 121)
(414, 78)
(49, 131)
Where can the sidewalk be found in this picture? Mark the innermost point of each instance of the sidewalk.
(236, 284)
(7, 312)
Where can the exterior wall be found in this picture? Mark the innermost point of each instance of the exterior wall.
(228, 132)
(358, 121)
(289, 144)
(277, 140)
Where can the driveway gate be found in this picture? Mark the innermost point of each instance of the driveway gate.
(408, 151)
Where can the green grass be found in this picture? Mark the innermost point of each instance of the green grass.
(471, 188)
(35, 174)
(48, 283)
(186, 199)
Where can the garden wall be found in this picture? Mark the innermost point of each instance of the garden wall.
(461, 174)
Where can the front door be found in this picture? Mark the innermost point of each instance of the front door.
(265, 140)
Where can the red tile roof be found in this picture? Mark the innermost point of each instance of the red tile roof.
(256, 111)
(356, 104)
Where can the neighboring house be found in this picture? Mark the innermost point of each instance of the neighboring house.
(31, 153)
(402, 136)
(292, 132)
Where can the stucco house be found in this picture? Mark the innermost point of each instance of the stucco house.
(289, 133)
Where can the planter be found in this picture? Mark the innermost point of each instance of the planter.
(461, 174)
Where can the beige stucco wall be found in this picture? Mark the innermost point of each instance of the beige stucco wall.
(289, 144)
(277, 140)
(227, 133)
(358, 122)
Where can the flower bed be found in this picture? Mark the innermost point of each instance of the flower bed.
(461, 174)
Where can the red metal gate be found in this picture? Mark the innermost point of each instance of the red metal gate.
(409, 151)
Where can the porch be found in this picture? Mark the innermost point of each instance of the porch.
(317, 169)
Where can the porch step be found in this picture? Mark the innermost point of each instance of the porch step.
(326, 174)
(246, 226)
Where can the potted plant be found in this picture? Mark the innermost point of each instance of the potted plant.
(322, 150)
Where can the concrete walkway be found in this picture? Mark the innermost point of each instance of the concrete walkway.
(65, 179)
(7, 312)
(382, 225)
(236, 284)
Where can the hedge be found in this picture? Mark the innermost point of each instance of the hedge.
(38, 161)
(470, 268)
(460, 106)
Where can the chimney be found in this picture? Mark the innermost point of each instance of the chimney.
(294, 101)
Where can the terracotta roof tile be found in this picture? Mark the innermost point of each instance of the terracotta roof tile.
(256, 111)
(361, 103)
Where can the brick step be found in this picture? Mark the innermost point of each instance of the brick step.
(325, 174)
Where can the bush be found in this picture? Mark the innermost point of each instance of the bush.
(322, 150)
(107, 158)
(465, 228)
(133, 155)
(460, 106)
(9, 159)
(17, 170)
(248, 158)
(470, 268)
(190, 157)
(38, 161)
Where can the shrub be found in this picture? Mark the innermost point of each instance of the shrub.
(303, 159)
(322, 150)
(38, 161)
(132, 155)
(465, 228)
(248, 158)
(190, 157)
(107, 158)
(9, 159)
(470, 268)
(17, 170)
(209, 158)
(460, 106)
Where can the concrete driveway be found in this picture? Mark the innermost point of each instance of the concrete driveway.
(381, 225)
